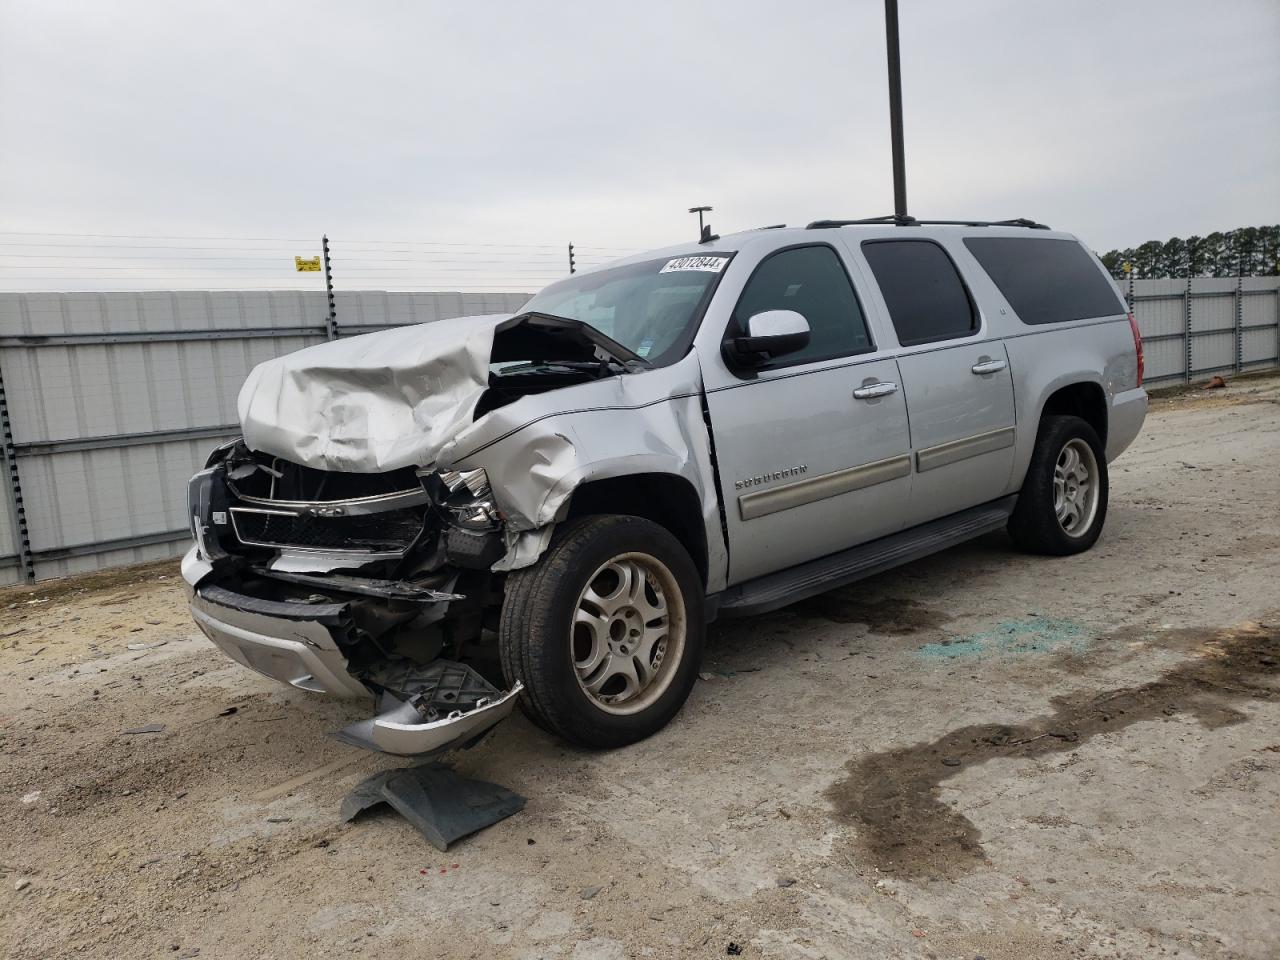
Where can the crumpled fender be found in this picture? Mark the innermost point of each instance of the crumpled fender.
(536, 456)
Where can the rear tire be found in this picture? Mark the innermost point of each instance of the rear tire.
(1063, 503)
(605, 631)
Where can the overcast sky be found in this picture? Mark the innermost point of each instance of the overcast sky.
(602, 122)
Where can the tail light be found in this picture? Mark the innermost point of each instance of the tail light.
(1137, 345)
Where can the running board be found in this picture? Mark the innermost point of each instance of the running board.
(839, 569)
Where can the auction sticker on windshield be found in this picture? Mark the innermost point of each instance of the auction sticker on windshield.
(707, 264)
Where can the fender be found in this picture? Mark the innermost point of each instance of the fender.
(1098, 356)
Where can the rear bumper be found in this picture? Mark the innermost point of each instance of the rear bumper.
(1128, 411)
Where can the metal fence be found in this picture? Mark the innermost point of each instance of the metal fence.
(110, 401)
(1200, 326)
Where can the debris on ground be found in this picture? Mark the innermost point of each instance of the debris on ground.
(589, 892)
(146, 728)
(733, 949)
(147, 646)
(1215, 383)
(443, 805)
(31, 797)
(109, 602)
(22, 884)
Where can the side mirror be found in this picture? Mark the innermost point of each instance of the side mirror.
(769, 334)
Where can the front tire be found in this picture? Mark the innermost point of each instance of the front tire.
(605, 631)
(1063, 503)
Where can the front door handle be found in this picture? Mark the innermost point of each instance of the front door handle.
(873, 390)
(989, 366)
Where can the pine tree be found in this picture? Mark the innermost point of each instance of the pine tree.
(1247, 251)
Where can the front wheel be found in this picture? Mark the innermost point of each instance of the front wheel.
(605, 631)
(1063, 502)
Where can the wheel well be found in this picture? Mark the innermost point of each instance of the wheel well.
(1083, 400)
(667, 500)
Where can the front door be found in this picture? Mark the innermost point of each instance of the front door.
(813, 450)
(956, 381)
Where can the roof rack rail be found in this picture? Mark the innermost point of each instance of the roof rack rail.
(913, 222)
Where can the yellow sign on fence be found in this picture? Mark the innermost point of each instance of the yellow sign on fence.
(307, 266)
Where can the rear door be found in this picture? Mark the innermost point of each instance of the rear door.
(813, 448)
(956, 379)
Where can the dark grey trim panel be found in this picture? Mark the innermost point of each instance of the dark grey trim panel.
(817, 576)
(761, 503)
(930, 458)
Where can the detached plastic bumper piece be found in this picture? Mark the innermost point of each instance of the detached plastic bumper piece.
(428, 710)
(444, 806)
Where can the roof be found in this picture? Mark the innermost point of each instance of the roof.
(875, 228)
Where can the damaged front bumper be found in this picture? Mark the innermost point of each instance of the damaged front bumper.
(421, 711)
(289, 642)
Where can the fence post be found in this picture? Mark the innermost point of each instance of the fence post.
(1186, 329)
(1240, 319)
(572, 264)
(13, 489)
(331, 321)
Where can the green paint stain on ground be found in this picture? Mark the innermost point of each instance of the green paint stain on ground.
(1012, 638)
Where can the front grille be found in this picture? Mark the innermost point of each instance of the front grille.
(387, 532)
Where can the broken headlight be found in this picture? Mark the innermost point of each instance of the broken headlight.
(469, 500)
(476, 481)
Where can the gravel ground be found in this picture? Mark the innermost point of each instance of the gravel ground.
(980, 754)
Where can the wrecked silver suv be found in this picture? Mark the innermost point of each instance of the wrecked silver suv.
(548, 508)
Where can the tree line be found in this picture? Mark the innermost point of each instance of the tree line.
(1246, 252)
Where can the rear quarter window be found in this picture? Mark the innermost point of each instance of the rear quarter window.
(1046, 280)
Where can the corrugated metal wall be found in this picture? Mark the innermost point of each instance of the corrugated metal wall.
(115, 399)
(1192, 329)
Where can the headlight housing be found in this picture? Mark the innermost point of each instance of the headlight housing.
(470, 501)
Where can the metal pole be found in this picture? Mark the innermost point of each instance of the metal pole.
(1240, 318)
(17, 512)
(1186, 328)
(572, 265)
(895, 109)
(331, 322)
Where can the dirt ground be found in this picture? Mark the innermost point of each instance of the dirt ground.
(981, 754)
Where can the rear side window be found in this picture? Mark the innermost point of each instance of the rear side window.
(1046, 280)
(812, 282)
(926, 298)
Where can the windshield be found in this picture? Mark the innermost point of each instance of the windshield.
(649, 307)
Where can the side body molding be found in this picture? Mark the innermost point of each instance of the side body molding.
(930, 458)
(761, 503)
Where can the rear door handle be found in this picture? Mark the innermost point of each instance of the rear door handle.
(873, 390)
(989, 366)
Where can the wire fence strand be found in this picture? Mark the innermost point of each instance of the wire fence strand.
(70, 262)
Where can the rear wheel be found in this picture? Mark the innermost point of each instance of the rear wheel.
(605, 631)
(1063, 502)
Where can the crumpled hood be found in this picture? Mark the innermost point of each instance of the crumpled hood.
(371, 403)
